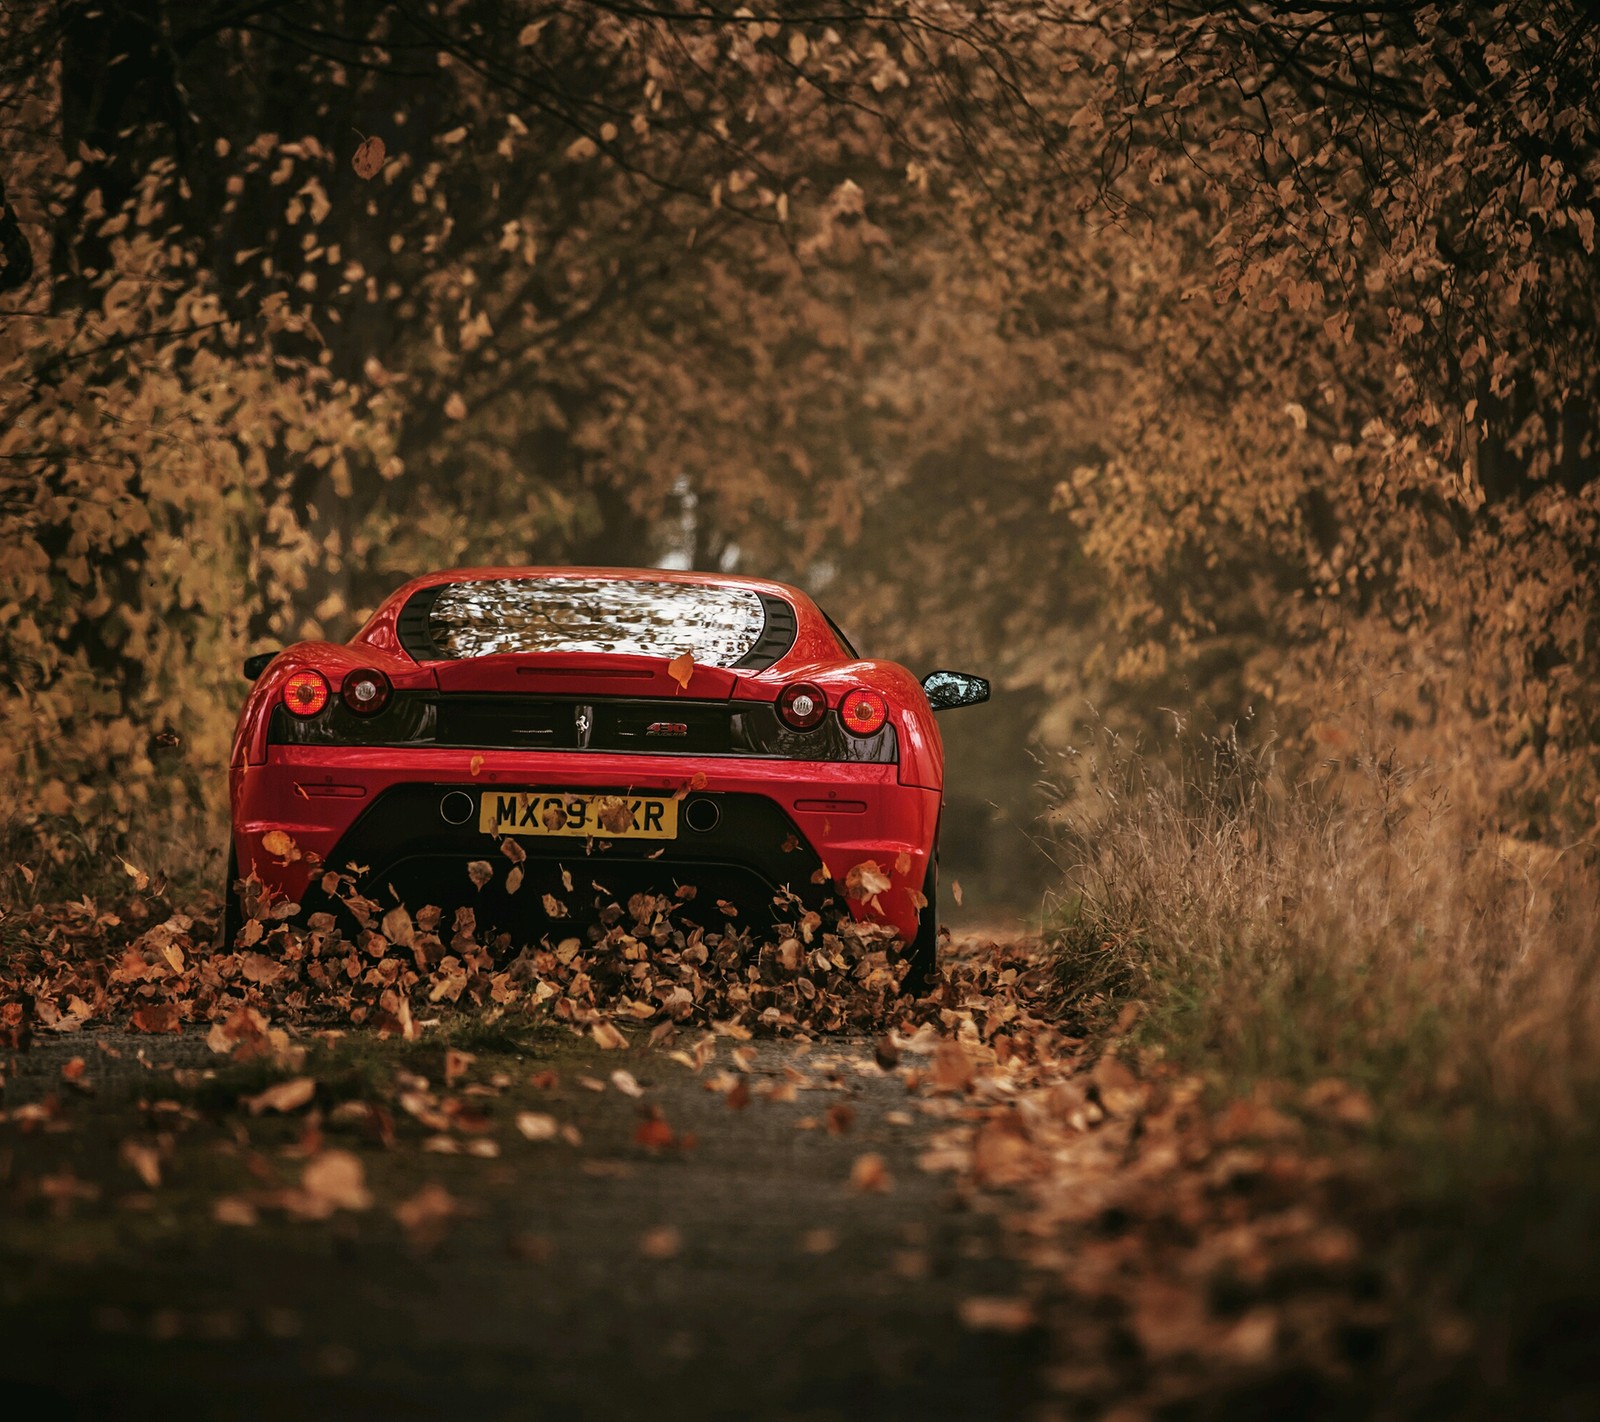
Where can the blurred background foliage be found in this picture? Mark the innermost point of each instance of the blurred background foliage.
(1233, 365)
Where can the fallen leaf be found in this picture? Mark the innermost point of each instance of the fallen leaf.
(257, 967)
(681, 670)
(1339, 1102)
(537, 1126)
(288, 1095)
(869, 1174)
(607, 1036)
(156, 1018)
(335, 1180)
(144, 1160)
(653, 1133)
(234, 1210)
(662, 1242)
(992, 1314)
(480, 871)
(368, 158)
(625, 1082)
(955, 891)
(398, 928)
(425, 1213)
(841, 1117)
(952, 1068)
(1121, 1092)
(279, 844)
(865, 880)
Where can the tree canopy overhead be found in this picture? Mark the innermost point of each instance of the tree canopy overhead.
(1140, 350)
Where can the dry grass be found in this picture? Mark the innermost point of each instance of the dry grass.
(1358, 923)
(1352, 923)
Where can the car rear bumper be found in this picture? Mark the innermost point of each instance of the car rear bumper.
(782, 821)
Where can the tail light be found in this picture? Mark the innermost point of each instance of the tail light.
(306, 693)
(802, 706)
(863, 712)
(366, 692)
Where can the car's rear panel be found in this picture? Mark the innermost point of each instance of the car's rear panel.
(763, 810)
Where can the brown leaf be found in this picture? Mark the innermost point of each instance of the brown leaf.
(398, 928)
(662, 1242)
(157, 1017)
(368, 158)
(607, 1036)
(998, 1315)
(537, 1126)
(144, 1160)
(281, 845)
(259, 968)
(480, 871)
(288, 1095)
(425, 1213)
(681, 670)
(626, 1083)
(334, 1180)
(613, 813)
(841, 1117)
(234, 1210)
(865, 880)
(1121, 1092)
(886, 1053)
(952, 1068)
(869, 1174)
(653, 1133)
(1001, 1154)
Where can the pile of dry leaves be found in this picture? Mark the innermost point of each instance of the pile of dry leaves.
(156, 968)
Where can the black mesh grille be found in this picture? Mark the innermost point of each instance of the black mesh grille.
(537, 723)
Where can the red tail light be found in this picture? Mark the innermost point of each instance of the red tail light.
(802, 706)
(863, 712)
(366, 692)
(306, 693)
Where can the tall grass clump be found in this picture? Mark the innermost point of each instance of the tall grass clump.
(1352, 919)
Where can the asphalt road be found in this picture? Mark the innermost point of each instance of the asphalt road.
(742, 1278)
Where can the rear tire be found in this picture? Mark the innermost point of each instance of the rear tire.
(924, 950)
(232, 912)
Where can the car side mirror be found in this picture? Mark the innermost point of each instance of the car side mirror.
(949, 689)
(254, 666)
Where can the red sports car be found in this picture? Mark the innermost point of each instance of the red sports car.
(628, 729)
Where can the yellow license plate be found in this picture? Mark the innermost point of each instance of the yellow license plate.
(583, 816)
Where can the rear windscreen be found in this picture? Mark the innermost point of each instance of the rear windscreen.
(719, 625)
